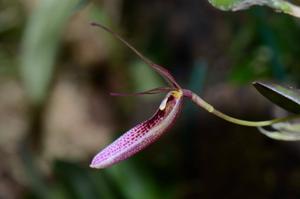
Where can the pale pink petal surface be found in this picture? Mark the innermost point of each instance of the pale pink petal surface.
(141, 135)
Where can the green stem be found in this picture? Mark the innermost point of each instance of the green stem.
(200, 102)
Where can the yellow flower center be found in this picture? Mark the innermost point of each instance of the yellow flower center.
(177, 94)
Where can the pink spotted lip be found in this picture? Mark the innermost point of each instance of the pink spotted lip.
(142, 135)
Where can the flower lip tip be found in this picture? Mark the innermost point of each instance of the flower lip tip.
(92, 166)
(96, 166)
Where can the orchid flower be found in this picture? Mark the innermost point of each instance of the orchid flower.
(147, 132)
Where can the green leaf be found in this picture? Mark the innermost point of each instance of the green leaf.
(278, 5)
(285, 97)
(284, 131)
(40, 44)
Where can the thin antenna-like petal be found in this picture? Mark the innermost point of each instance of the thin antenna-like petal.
(148, 92)
(161, 70)
(143, 134)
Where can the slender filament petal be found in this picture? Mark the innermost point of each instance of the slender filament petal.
(148, 92)
(161, 70)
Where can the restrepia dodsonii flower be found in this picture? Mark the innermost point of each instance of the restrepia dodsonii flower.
(147, 132)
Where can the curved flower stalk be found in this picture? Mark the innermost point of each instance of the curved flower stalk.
(147, 132)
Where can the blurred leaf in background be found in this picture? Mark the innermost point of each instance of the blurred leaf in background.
(40, 44)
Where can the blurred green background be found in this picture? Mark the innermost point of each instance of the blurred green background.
(55, 112)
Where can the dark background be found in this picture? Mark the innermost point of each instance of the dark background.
(47, 142)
